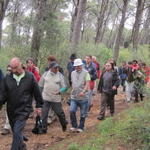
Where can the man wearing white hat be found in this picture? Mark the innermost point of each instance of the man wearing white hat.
(79, 96)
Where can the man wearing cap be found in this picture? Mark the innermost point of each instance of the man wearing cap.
(53, 84)
(79, 96)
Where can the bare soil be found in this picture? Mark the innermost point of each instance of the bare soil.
(55, 134)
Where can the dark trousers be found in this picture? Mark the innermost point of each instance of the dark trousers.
(17, 129)
(136, 95)
(123, 84)
(57, 108)
(106, 100)
(69, 78)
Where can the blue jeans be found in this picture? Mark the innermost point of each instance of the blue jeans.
(83, 105)
(17, 143)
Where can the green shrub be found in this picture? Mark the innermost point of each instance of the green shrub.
(61, 49)
(124, 55)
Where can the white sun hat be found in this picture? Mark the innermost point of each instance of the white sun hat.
(78, 62)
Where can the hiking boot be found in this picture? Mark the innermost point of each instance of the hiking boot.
(72, 129)
(64, 128)
(100, 118)
(5, 131)
(79, 130)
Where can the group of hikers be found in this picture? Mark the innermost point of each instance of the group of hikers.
(23, 87)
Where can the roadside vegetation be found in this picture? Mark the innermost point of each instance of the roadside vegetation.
(100, 51)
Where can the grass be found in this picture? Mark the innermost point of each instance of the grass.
(129, 130)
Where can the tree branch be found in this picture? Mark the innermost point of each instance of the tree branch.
(117, 5)
(74, 3)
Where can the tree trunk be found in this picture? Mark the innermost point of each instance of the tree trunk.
(146, 29)
(110, 38)
(106, 21)
(28, 30)
(74, 16)
(137, 23)
(77, 26)
(38, 29)
(14, 21)
(3, 7)
(100, 20)
(120, 30)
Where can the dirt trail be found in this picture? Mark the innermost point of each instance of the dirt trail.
(55, 134)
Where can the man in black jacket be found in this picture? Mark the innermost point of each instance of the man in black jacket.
(1, 78)
(17, 90)
(107, 86)
(1, 75)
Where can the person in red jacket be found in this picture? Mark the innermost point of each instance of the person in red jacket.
(146, 71)
(134, 65)
(31, 67)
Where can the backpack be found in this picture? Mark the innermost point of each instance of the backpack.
(38, 128)
(93, 76)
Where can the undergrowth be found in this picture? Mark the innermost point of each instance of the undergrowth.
(130, 129)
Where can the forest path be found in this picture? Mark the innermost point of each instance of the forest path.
(55, 134)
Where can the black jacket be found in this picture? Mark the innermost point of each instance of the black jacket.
(115, 82)
(130, 75)
(1, 75)
(19, 97)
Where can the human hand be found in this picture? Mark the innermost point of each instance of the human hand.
(81, 94)
(114, 87)
(56, 93)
